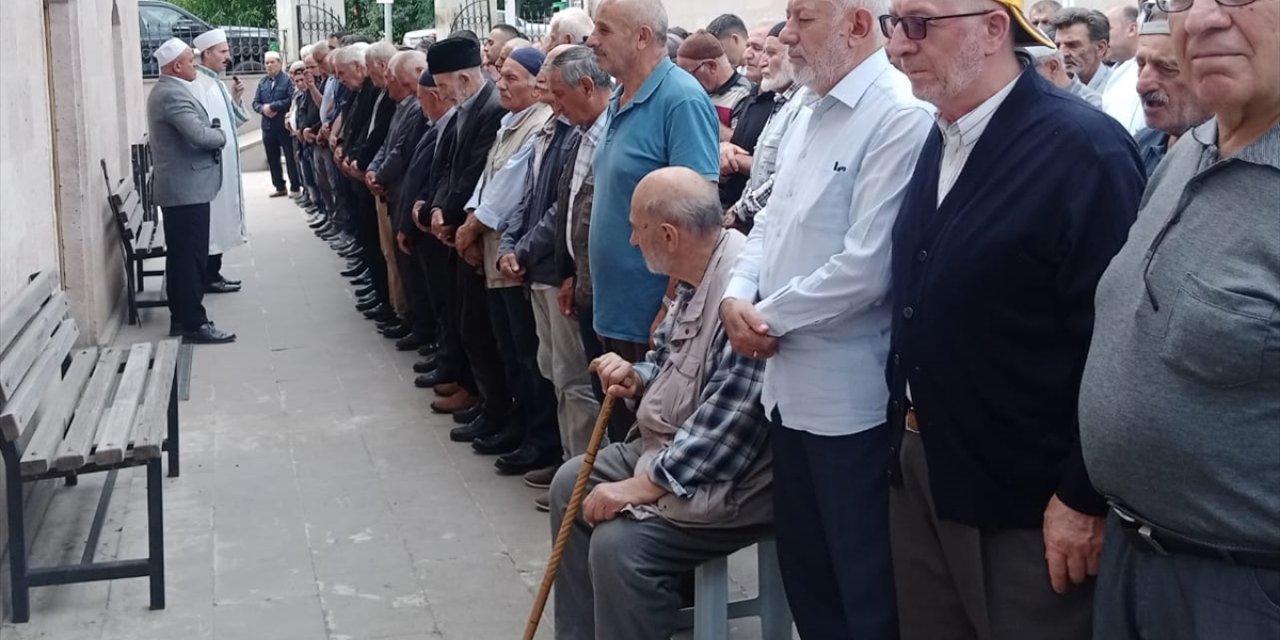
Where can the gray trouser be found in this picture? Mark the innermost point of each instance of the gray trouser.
(1146, 596)
(618, 580)
(955, 582)
(562, 360)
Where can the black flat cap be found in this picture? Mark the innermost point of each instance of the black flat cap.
(453, 54)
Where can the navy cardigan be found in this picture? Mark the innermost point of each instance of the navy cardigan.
(993, 303)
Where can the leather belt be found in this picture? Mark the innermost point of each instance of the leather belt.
(913, 424)
(1152, 538)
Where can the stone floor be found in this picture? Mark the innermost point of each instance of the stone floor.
(320, 499)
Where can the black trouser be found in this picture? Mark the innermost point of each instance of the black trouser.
(517, 334)
(186, 232)
(366, 214)
(831, 519)
(623, 418)
(590, 344)
(476, 329)
(436, 263)
(421, 317)
(277, 142)
(213, 269)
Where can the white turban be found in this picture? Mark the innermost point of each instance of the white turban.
(210, 38)
(169, 51)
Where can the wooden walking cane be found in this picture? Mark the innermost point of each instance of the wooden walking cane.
(571, 513)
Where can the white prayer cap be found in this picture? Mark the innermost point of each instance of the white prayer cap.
(169, 51)
(209, 39)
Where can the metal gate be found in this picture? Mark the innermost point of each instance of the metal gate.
(315, 23)
(475, 16)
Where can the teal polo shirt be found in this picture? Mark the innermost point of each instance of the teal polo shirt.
(669, 122)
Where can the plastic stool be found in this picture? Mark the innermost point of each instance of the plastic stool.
(712, 611)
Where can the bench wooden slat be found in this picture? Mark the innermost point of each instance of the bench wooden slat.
(126, 195)
(113, 436)
(157, 240)
(55, 411)
(19, 409)
(134, 212)
(18, 360)
(151, 425)
(75, 447)
(145, 233)
(17, 312)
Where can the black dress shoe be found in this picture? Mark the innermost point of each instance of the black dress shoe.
(429, 380)
(380, 312)
(467, 415)
(503, 442)
(428, 349)
(425, 366)
(234, 283)
(524, 460)
(208, 334)
(409, 342)
(368, 304)
(324, 220)
(360, 282)
(385, 325)
(221, 287)
(397, 332)
(364, 291)
(478, 428)
(353, 271)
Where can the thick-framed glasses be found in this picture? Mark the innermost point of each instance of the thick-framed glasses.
(1178, 6)
(916, 27)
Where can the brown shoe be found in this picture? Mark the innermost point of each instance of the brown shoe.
(540, 478)
(454, 403)
(542, 502)
(446, 389)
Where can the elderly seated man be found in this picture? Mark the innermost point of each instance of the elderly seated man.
(693, 481)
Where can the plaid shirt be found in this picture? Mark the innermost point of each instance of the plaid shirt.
(727, 432)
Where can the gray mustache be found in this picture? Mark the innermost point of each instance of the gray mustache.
(1155, 98)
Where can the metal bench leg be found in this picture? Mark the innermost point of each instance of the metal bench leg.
(173, 428)
(711, 600)
(131, 296)
(17, 537)
(155, 532)
(142, 275)
(775, 614)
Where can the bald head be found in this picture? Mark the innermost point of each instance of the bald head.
(675, 220)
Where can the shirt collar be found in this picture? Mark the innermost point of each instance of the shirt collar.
(470, 102)
(851, 88)
(1264, 151)
(592, 134)
(729, 84)
(969, 127)
(513, 120)
(649, 86)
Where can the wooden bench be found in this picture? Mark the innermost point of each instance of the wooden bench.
(66, 412)
(141, 239)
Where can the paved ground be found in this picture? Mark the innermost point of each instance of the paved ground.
(319, 499)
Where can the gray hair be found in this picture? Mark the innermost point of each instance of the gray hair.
(351, 54)
(698, 212)
(306, 51)
(272, 55)
(645, 13)
(1099, 27)
(573, 22)
(408, 58)
(1051, 6)
(578, 62)
(320, 48)
(381, 51)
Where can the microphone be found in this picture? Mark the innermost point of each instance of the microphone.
(217, 153)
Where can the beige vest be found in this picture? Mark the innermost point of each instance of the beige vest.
(509, 141)
(671, 397)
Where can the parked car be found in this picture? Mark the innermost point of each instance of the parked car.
(158, 21)
(412, 38)
(534, 31)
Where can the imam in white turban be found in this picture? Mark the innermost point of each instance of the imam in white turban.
(209, 39)
(169, 51)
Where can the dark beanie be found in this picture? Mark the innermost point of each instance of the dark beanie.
(777, 29)
(426, 79)
(453, 54)
(530, 58)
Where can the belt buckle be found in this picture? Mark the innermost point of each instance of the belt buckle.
(1143, 529)
(1144, 532)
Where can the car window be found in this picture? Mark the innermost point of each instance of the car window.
(160, 20)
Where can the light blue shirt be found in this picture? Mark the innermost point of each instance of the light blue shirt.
(327, 112)
(817, 260)
(669, 122)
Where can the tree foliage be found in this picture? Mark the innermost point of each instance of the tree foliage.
(366, 16)
(240, 13)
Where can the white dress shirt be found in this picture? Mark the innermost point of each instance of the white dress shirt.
(581, 167)
(959, 137)
(497, 195)
(817, 259)
(1120, 97)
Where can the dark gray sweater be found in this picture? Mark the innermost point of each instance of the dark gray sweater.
(1180, 402)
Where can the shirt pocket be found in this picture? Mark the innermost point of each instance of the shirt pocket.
(1217, 337)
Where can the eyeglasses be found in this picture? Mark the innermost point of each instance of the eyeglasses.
(915, 27)
(1178, 6)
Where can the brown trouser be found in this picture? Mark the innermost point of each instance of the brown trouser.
(955, 582)
(387, 241)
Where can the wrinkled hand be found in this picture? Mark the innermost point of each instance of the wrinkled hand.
(607, 499)
(742, 161)
(371, 181)
(564, 298)
(510, 267)
(237, 89)
(727, 152)
(1072, 545)
(402, 241)
(469, 233)
(437, 223)
(730, 217)
(268, 111)
(473, 255)
(308, 136)
(617, 377)
(748, 332)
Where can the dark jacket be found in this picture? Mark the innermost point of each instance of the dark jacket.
(754, 115)
(276, 91)
(416, 176)
(462, 160)
(531, 234)
(370, 137)
(993, 303)
(577, 266)
(392, 160)
(356, 112)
